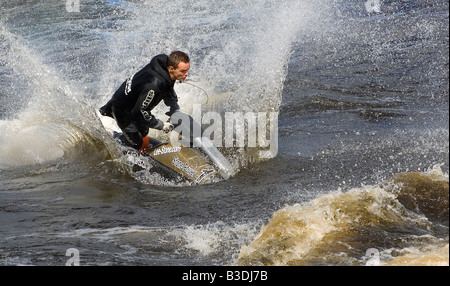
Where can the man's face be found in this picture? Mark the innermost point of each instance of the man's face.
(181, 72)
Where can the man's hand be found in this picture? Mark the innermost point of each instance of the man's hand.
(167, 127)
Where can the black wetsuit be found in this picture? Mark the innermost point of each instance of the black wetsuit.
(132, 103)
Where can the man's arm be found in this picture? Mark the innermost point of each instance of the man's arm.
(141, 109)
(172, 101)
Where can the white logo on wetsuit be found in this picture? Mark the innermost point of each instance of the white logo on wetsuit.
(128, 85)
(146, 103)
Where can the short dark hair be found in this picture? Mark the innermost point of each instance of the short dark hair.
(176, 57)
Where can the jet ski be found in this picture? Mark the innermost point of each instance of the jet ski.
(177, 162)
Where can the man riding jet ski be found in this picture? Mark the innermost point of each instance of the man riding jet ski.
(131, 107)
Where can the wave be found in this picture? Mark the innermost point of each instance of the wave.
(404, 221)
(42, 143)
(50, 119)
(218, 241)
(436, 256)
